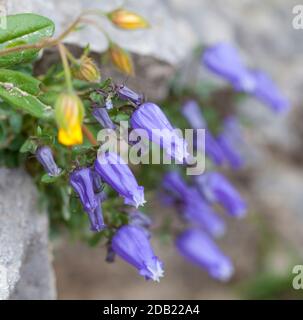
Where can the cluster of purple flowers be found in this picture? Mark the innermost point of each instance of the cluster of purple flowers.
(195, 204)
(195, 200)
(224, 60)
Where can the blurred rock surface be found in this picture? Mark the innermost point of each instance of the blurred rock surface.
(25, 262)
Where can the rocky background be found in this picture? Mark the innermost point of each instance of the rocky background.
(268, 243)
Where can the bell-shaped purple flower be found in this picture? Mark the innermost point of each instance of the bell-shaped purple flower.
(101, 115)
(192, 205)
(125, 93)
(151, 118)
(45, 156)
(115, 172)
(223, 60)
(231, 143)
(82, 182)
(201, 250)
(267, 92)
(199, 212)
(192, 112)
(132, 244)
(216, 188)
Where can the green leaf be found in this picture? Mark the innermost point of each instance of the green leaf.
(22, 81)
(25, 28)
(28, 146)
(19, 90)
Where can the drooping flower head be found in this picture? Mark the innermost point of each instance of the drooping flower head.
(201, 250)
(125, 93)
(101, 115)
(96, 216)
(82, 182)
(197, 211)
(192, 205)
(126, 19)
(223, 60)
(192, 112)
(86, 70)
(267, 92)
(45, 156)
(115, 172)
(121, 59)
(69, 112)
(231, 143)
(132, 245)
(216, 188)
(151, 118)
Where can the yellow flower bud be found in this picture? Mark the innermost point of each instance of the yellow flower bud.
(121, 59)
(69, 114)
(125, 19)
(86, 70)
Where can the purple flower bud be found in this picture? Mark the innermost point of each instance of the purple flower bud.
(267, 92)
(151, 118)
(193, 115)
(132, 244)
(224, 60)
(216, 188)
(115, 172)
(192, 205)
(96, 216)
(125, 93)
(198, 248)
(82, 182)
(45, 156)
(231, 143)
(103, 118)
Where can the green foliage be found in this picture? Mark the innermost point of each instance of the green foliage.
(22, 29)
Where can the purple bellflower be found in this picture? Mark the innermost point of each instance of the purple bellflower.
(151, 118)
(115, 172)
(193, 206)
(223, 60)
(101, 115)
(45, 156)
(201, 250)
(125, 93)
(267, 92)
(82, 181)
(231, 142)
(216, 188)
(132, 244)
(192, 112)
(198, 211)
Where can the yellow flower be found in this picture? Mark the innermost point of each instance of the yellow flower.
(125, 19)
(69, 114)
(86, 70)
(121, 59)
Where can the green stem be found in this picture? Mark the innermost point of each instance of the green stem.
(67, 72)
